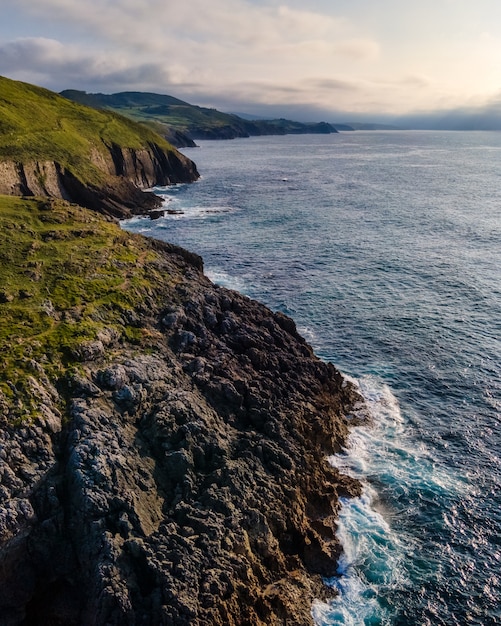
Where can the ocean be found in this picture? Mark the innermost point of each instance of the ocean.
(385, 248)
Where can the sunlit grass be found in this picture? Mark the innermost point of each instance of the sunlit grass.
(39, 125)
(65, 275)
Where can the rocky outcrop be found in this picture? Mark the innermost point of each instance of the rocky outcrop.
(180, 481)
(177, 138)
(152, 166)
(127, 172)
(34, 179)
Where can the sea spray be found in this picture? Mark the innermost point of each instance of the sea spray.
(178, 205)
(381, 559)
(372, 551)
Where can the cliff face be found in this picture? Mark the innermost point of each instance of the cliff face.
(127, 172)
(50, 146)
(178, 479)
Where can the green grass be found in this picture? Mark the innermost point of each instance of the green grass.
(154, 109)
(185, 118)
(39, 125)
(65, 275)
(157, 108)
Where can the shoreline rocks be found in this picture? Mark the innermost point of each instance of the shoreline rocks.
(180, 481)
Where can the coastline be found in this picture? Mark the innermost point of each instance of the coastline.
(152, 484)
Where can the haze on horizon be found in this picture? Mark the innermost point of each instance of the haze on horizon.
(429, 64)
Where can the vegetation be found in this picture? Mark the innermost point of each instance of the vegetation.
(197, 122)
(39, 125)
(165, 110)
(66, 275)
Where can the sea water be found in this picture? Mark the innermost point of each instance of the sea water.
(385, 247)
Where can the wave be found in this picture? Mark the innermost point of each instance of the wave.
(178, 205)
(379, 555)
(230, 281)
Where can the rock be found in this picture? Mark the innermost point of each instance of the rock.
(89, 351)
(128, 171)
(5, 296)
(108, 336)
(186, 482)
(156, 214)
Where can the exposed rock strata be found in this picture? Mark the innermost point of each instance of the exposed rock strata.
(177, 138)
(182, 484)
(128, 172)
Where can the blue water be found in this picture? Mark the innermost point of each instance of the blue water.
(385, 247)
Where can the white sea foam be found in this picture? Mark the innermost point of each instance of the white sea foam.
(377, 558)
(371, 563)
(372, 552)
(307, 333)
(226, 280)
(178, 206)
(138, 224)
(175, 210)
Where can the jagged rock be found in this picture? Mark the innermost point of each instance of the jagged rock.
(89, 350)
(186, 484)
(129, 172)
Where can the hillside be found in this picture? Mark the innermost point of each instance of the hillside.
(192, 121)
(53, 147)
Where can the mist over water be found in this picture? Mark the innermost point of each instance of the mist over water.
(385, 248)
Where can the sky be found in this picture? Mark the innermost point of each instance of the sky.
(331, 60)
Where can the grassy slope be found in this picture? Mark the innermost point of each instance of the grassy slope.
(65, 275)
(37, 124)
(187, 118)
(150, 107)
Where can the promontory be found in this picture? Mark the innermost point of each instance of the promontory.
(163, 440)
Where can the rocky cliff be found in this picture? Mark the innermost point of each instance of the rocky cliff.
(52, 147)
(127, 172)
(173, 467)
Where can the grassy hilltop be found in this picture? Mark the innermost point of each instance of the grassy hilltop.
(166, 114)
(39, 125)
(50, 146)
(66, 274)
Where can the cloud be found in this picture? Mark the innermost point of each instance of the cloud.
(237, 21)
(233, 20)
(234, 53)
(59, 66)
(265, 52)
(481, 117)
(39, 59)
(413, 81)
(230, 34)
(73, 66)
(360, 49)
(33, 53)
(333, 85)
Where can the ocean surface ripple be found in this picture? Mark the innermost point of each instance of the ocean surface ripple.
(385, 247)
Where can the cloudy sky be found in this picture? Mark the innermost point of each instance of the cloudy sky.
(317, 60)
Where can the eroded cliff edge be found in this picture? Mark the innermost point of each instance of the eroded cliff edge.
(173, 466)
(119, 194)
(52, 147)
